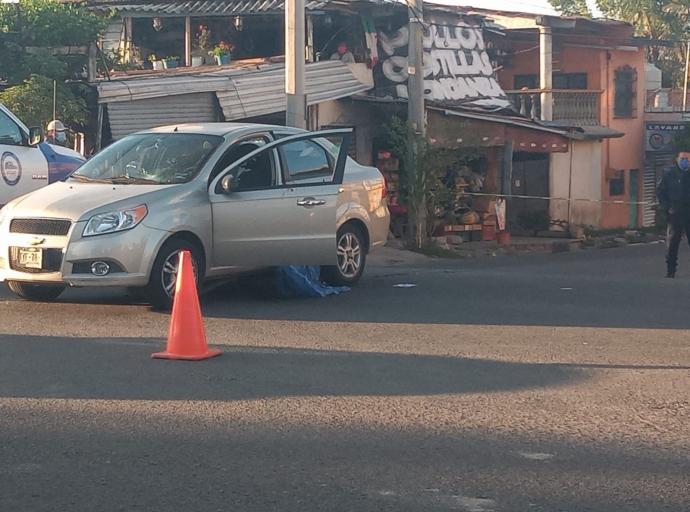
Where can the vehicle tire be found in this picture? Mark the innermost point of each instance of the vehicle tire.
(36, 292)
(352, 257)
(161, 288)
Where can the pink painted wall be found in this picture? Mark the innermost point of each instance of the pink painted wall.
(627, 152)
(600, 65)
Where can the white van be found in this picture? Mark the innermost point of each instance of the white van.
(27, 162)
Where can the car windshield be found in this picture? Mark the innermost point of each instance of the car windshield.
(158, 159)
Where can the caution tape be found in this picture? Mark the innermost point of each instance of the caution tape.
(575, 199)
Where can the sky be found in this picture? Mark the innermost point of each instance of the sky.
(531, 6)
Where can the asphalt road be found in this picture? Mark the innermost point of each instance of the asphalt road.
(536, 383)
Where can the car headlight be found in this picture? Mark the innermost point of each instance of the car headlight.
(112, 222)
(3, 214)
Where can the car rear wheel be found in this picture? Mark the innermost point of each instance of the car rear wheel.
(161, 288)
(352, 256)
(36, 292)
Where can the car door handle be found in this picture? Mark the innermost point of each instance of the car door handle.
(310, 201)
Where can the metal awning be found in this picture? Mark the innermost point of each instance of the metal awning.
(116, 91)
(261, 89)
(198, 7)
(261, 93)
(138, 103)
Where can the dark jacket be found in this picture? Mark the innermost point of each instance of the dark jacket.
(669, 191)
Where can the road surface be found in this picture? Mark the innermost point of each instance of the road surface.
(509, 384)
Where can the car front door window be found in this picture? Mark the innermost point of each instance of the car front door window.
(10, 133)
(256, 173)
(306, 162)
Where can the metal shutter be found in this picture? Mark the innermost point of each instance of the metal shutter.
(655, 164)
(127, 117)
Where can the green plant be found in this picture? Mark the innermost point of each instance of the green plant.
(434, 251)
(426, 194)
(171, 58)
(203, 38)
(32, 102)
(221, 49)
(116, 60)
(152, 58)
(681, 142)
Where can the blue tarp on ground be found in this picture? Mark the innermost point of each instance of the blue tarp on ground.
(304, 281)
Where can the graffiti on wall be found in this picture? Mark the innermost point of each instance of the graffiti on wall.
(457, 67)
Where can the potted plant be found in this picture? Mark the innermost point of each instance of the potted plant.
(222, 52)
(171, 62)
(202, 45)
(156, 64)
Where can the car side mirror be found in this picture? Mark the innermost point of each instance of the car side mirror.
(36, 136)
(228, 184)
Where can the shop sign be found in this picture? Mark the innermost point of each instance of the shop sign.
(457, 67)
(659, 136)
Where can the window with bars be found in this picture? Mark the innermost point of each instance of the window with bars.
(617, 186)
(626, 86)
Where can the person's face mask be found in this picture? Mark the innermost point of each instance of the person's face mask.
(62, 137)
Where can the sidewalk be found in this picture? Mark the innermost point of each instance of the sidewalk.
(517, 245)
(393, 254)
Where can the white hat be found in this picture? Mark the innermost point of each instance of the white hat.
(56, 126)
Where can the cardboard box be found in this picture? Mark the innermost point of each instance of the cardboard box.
(484, 204)
(456, 228)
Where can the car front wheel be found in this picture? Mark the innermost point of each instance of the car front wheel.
(161, 288)
(36, 292)
(352, 255)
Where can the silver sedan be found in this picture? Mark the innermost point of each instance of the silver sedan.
(240, 197)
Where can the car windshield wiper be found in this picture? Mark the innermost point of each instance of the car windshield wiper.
(126, 180)
(85, 179)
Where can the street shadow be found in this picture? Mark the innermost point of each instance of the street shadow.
(182, 459)
(117, 368)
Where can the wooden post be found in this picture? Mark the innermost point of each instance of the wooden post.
(99, 128)
(91, 64)
(188, 41)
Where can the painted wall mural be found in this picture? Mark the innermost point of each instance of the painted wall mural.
(457, 67)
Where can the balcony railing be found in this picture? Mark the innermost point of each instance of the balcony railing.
(575, 107)
(666, 100)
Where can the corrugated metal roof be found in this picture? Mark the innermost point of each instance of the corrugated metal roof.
(258, 94)
(198, 7)
(132, 90)
(242, 93)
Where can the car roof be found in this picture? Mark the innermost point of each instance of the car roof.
(221, 129)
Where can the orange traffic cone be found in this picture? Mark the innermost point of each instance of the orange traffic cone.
(187, 337)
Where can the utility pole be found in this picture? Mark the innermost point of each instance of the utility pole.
(546, 72)
(415, 112)
(295, 66)
(685, 79)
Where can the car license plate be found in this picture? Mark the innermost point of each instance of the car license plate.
(31, 258)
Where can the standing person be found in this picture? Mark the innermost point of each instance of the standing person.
(673, 193)
(57, 133)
